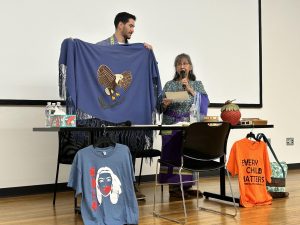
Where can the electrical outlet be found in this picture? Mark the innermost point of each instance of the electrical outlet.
(290, 141)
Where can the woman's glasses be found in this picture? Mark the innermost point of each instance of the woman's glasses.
(182, 64)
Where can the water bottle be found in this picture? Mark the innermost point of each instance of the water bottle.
(59, 109)
(52, 108)
(47, 114)
(193, 114)
(58, 105)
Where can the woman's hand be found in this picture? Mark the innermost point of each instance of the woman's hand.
(187, 86)
(166, 102)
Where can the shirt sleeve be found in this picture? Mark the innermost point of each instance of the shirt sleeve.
(232, 161)
(132, 174)
(203, 100)
(199, 87)
(75, 178)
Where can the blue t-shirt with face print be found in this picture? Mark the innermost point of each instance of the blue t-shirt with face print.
(104, 177)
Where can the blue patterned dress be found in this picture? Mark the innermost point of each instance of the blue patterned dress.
(172, 142)
(179, 111)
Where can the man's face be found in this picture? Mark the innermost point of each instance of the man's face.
(127, 29)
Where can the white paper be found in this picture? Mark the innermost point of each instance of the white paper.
(177, 95)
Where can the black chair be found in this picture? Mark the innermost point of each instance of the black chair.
(69, 142)
(149, 153)
(204, 149)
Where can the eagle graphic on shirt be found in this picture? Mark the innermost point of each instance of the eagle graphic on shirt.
(111, 81)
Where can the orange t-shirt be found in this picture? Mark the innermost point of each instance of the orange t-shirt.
(249, 159)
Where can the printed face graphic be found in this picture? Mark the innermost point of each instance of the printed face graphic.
(107, 185)
(105, 182)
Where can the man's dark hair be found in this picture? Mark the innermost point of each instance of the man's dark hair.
(123, 17)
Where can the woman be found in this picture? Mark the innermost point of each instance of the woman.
(178, 111)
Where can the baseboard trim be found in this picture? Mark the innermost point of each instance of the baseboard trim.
(31, 190)
(293, 166)
(49, 188)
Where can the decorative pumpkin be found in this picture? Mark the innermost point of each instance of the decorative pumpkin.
(230, 112)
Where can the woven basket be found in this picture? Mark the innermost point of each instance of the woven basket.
(233, 117)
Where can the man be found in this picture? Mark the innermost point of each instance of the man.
(124, 28)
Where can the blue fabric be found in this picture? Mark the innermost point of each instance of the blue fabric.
(104, 177)
(201, 102)
(204, 104)
(136, 103)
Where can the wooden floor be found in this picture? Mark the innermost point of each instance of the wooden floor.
(38, 209)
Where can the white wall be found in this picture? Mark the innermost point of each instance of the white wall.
(29, 158)
(32, 32)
